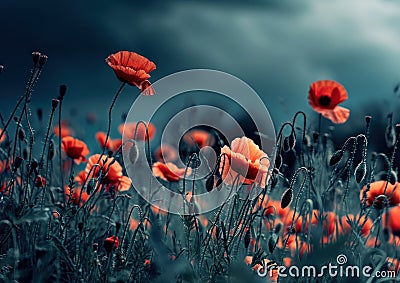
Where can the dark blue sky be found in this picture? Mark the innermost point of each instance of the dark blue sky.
(277, 47)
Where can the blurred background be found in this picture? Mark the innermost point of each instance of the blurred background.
(278, 47)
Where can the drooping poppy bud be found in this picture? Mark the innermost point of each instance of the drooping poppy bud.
(40, 181)
(110, 243)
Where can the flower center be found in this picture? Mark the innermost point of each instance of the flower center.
(324, 100)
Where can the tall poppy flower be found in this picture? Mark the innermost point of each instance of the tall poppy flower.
(112, 170)
(200, 138)
(128, 130)
(169, 171)
(377, 189)
(133, 69)
(245, 159)
(112, 144)
(324, 97)
(75, 149)
(65, 130)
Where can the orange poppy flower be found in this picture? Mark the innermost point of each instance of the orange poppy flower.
(391, 220)
(377, 189)
(65, 130)
(169, 171)
(128, 130)
(324, 97)
(199, 138)
(3, 138)
(166, 153)
(245, 159)
(112, 145)
(133, 69)
(112, 169)
(75, 149)
(367, 224)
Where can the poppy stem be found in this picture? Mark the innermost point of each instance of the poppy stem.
(109, 119)
(319, 123)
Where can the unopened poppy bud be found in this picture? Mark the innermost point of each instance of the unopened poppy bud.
(117, 227)
(368, 119)
(247, 238)
(390, 136)
(110, 243)
(133, 153)
(278, 228)
(35, 57)
(210, 183)
(40, 114)
(336, 157)
(34, 164)
(397, 129)
(25, 153)
(21, 134)
(278, 161)
(51, 152)
(95, 246)
(360, 172)
(1, 68)
(42, 60)
(40, 181)
(287, 198)
(18, 162)
(63, 91)
(54, 103)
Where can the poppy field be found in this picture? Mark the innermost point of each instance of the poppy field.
(80, 208)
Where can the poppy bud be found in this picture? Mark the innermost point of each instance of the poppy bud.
(110, 243)
(247, 238)
(210, 183)
(390, 136)
(278, 161)
(63, 91)
(360, 172)
(51, 152)
(368, 119)
(133, 153)
(91, 185)
(25, 153)
(40, 181)
(34, 164)
(286, 145)
(1, 68)
(278, 228)
(287, 198)
(42, 60)
(40, 114)
(397, 129)
(21, 134)
(272, 242)
(35, 57)
(18, 162)
(54, 103)
(117, 227)
(336, 157)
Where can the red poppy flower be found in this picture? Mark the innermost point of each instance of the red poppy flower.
(324, 97)
(199, 138)
(65, 130)
(111, 243)
(3, 138)
(40, 181)
(166, 153)
(112, 169)
(128, 130)
(133, 69)
(377, 189)
(245, 159)
(391, 220)
(112, 145)
(75, 149)
(169, 171)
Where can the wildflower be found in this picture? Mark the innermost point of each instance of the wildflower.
(377, 189)
(166, 153)
(111, 243)
(112, 145)
(246, 159)
(198, 138)
(169, 171)
(324, 97)
(40, 181)
(113, 172)
(391, 220)
(128, 131)
(133, 69)
(74, 149)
